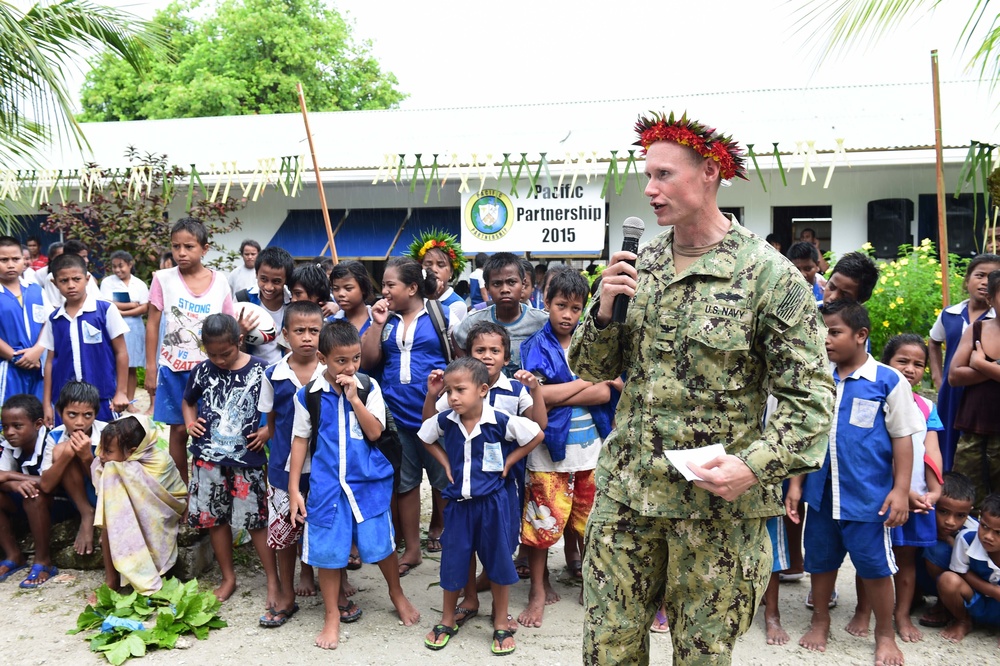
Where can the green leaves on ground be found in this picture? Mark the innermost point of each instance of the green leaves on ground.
(179, 609)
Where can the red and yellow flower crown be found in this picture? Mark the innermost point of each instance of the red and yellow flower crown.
(704, 140)
(438, 240)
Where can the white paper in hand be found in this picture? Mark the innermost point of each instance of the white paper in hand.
(680, 459)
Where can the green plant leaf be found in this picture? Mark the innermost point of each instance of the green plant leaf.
(98, 642)
(201, 633)
(88, 619)
(105, 597)
(118, 652)
(136, 646)
(125, 602)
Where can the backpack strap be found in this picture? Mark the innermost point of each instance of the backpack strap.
(314, 400)
(243, 296)
(436, 312)
(366, 386)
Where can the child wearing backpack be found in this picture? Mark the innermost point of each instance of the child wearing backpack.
(358, 475)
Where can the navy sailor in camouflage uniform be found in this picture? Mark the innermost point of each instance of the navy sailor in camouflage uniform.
(717, 319)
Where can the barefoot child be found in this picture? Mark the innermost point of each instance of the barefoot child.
(69, 452)
(131, 296)
(22, 314)
(971, 590)
(868, 469)
(301, 330)
(481, 445)
(140, 500)
(182, 296)
(355, 476)
(24, 440)
(521, 396)
(560, 488)
(951, 516)
(86, 341)
(228, 487)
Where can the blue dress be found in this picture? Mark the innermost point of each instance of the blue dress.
(948, 328)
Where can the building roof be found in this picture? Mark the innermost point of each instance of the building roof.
(872, 118)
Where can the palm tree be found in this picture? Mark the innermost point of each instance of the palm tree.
(36, 44)
(842, 23)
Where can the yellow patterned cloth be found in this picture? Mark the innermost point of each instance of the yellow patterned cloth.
(139, 504)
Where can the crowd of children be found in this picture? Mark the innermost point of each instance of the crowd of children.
(314, 446)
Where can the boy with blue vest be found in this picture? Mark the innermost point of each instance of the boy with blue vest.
(301, 330)
(481, 446)
(971, 590)
(22, 314)
(86, 341)
(862, 489)
(356, 478)
(559, 491)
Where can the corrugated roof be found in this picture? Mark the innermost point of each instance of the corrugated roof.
(870, 117)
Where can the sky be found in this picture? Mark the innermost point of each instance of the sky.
(452, 53)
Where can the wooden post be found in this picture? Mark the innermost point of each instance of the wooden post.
(319, 180)
(939, 155)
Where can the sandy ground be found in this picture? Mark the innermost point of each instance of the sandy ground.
(37, 621)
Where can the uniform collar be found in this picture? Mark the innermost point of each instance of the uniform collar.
(89, 305)
(977, 552)
(284, 371)
(489, 415)
(869, 370)
(447, 293)
(321, 384)
(959, 308)
(43, 432)
(24, 284)
(721, 261)
(503, 383)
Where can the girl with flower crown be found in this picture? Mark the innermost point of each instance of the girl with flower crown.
(441, 254)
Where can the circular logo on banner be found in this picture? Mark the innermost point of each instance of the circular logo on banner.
(488, 215)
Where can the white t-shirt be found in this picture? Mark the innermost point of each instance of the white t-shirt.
(183, 314)
(242, 278)
(136, 289)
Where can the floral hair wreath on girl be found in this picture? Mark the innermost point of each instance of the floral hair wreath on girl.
(438, 240)
(704, 140)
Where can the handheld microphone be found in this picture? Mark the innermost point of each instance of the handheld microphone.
(632, 229)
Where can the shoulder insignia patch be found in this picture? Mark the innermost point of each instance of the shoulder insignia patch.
(790, 308)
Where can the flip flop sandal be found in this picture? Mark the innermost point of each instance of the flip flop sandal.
(353, 611)
(522, 568)
(499, 636)
(353, 562)
(932, 622)
(575, 569)
(12, 568)
(439, 631)
(278, 618)
(409, 567)
(433, 545)
(658, 625)
(463, 615)
(32, 581)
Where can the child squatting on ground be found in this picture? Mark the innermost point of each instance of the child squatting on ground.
(481, 445)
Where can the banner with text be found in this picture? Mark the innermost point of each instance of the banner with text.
(566, 217)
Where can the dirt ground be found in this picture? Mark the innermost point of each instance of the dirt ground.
(35, 632)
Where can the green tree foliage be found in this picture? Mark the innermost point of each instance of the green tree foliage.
(243, 57)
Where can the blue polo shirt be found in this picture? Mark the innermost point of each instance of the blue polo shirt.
(343, 457)
(969, 555)
(21, 321)
(277, 394)
(408, 359)
(874, 404)
(477, 458)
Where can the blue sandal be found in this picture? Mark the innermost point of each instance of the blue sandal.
(12, 568)
(32, 581)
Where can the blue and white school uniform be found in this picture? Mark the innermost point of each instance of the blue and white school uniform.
(969, 556)
(511, 397)
(939, 555)
(455, 306)
(81, 349)
(409, 357)
(136, 291)
(920, 529)
(948, 329)
(355, 476)
(277, 395)
(340, 314)
(477, 516)
(873, 405)
(57, 436)
(15, 459)
(271, 352)
(21, 322)
(476, 282)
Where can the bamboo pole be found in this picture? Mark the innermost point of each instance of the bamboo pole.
(319, 180)
(939, 158)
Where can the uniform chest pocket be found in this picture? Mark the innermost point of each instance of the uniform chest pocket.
(715, 355)
(864, 412)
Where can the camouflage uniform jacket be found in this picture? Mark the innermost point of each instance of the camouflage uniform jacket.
(701, 352)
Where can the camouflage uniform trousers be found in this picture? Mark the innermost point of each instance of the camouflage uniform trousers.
(711, 573)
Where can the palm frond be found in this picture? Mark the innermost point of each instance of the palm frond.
(838, 25)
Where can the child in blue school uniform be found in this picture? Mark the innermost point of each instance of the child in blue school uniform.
(86, 342)
(947, 331)
(971, 589)
(301, 330)
(22, 314)
(403, 341)
(521, 396)
(352, 289)
(481, 446)
(862, 489)
(356, 477)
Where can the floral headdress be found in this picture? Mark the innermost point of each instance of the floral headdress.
(438, 240)
(705, 141)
